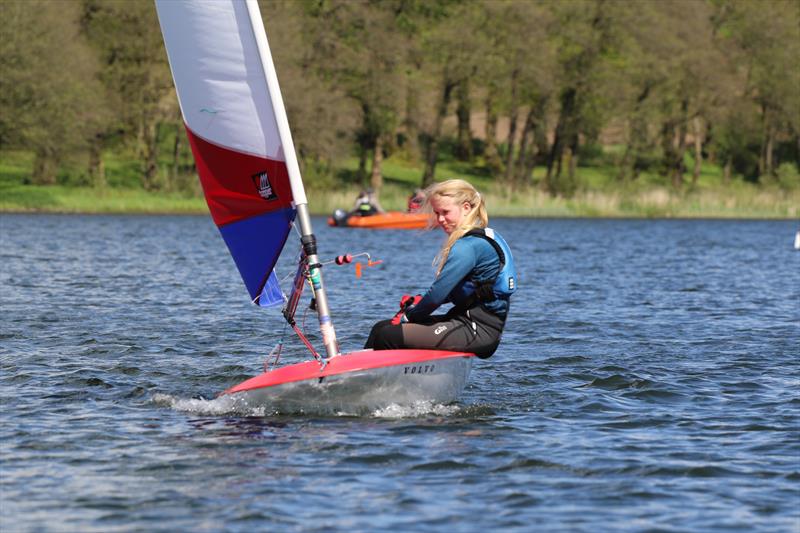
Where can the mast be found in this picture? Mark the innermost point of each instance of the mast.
(308, 240)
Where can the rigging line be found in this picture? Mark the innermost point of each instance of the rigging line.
(276, 351)
(308, 344)
(301, 333)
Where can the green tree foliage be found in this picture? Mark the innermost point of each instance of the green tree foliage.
(586, 43)
(452, 60)
(765, 38)
(541, 83)
(676, 74)
(323, 119)
(136, 76)
(49, 97)
(518, 68)
(359, 46)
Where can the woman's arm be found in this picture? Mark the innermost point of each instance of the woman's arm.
(460, 262)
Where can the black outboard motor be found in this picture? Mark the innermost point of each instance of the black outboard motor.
(340, 217)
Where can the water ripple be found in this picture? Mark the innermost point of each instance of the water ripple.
(647, 381)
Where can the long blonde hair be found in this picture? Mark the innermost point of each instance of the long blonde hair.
(459, 191)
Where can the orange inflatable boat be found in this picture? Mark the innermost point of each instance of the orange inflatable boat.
(388, 220)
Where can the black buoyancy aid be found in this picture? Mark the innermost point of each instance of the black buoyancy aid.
(504, 285)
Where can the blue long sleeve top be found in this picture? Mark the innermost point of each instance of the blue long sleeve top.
(470, 259)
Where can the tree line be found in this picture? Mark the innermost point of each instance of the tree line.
(717, 80)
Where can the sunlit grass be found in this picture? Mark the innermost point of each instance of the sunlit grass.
(62, 199)
(598, 193)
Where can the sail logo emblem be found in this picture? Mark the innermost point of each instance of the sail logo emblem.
(263, 186)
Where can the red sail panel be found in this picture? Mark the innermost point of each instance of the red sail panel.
(238, 185)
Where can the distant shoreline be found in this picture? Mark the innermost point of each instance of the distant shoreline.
(534, 216)
(596, 193)
(737, 201)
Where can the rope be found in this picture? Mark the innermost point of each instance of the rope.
(276, 352)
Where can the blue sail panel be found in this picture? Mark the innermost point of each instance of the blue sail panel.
(271, 294)
(255, 244)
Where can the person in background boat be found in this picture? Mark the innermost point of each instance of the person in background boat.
(366, 204)
(416, 201)
(475, 273)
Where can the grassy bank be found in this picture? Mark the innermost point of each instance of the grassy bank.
(597, 194)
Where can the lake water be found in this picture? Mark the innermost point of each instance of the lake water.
(649, 380)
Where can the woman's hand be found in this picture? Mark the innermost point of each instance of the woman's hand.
(406, 302)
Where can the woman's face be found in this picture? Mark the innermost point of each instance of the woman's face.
(448, 213)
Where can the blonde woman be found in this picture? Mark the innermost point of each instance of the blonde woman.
(475, 273)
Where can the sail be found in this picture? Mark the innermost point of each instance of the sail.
(216, 51)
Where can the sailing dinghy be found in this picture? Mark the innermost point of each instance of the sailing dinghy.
(239, 134)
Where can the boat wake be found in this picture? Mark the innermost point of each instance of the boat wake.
(417, 409)
(227, 405)
(200, 406)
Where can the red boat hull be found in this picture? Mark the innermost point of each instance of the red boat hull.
(365, 380)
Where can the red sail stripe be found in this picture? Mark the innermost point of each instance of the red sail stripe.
(228, 182)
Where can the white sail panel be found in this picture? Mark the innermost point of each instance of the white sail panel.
(219, 75)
